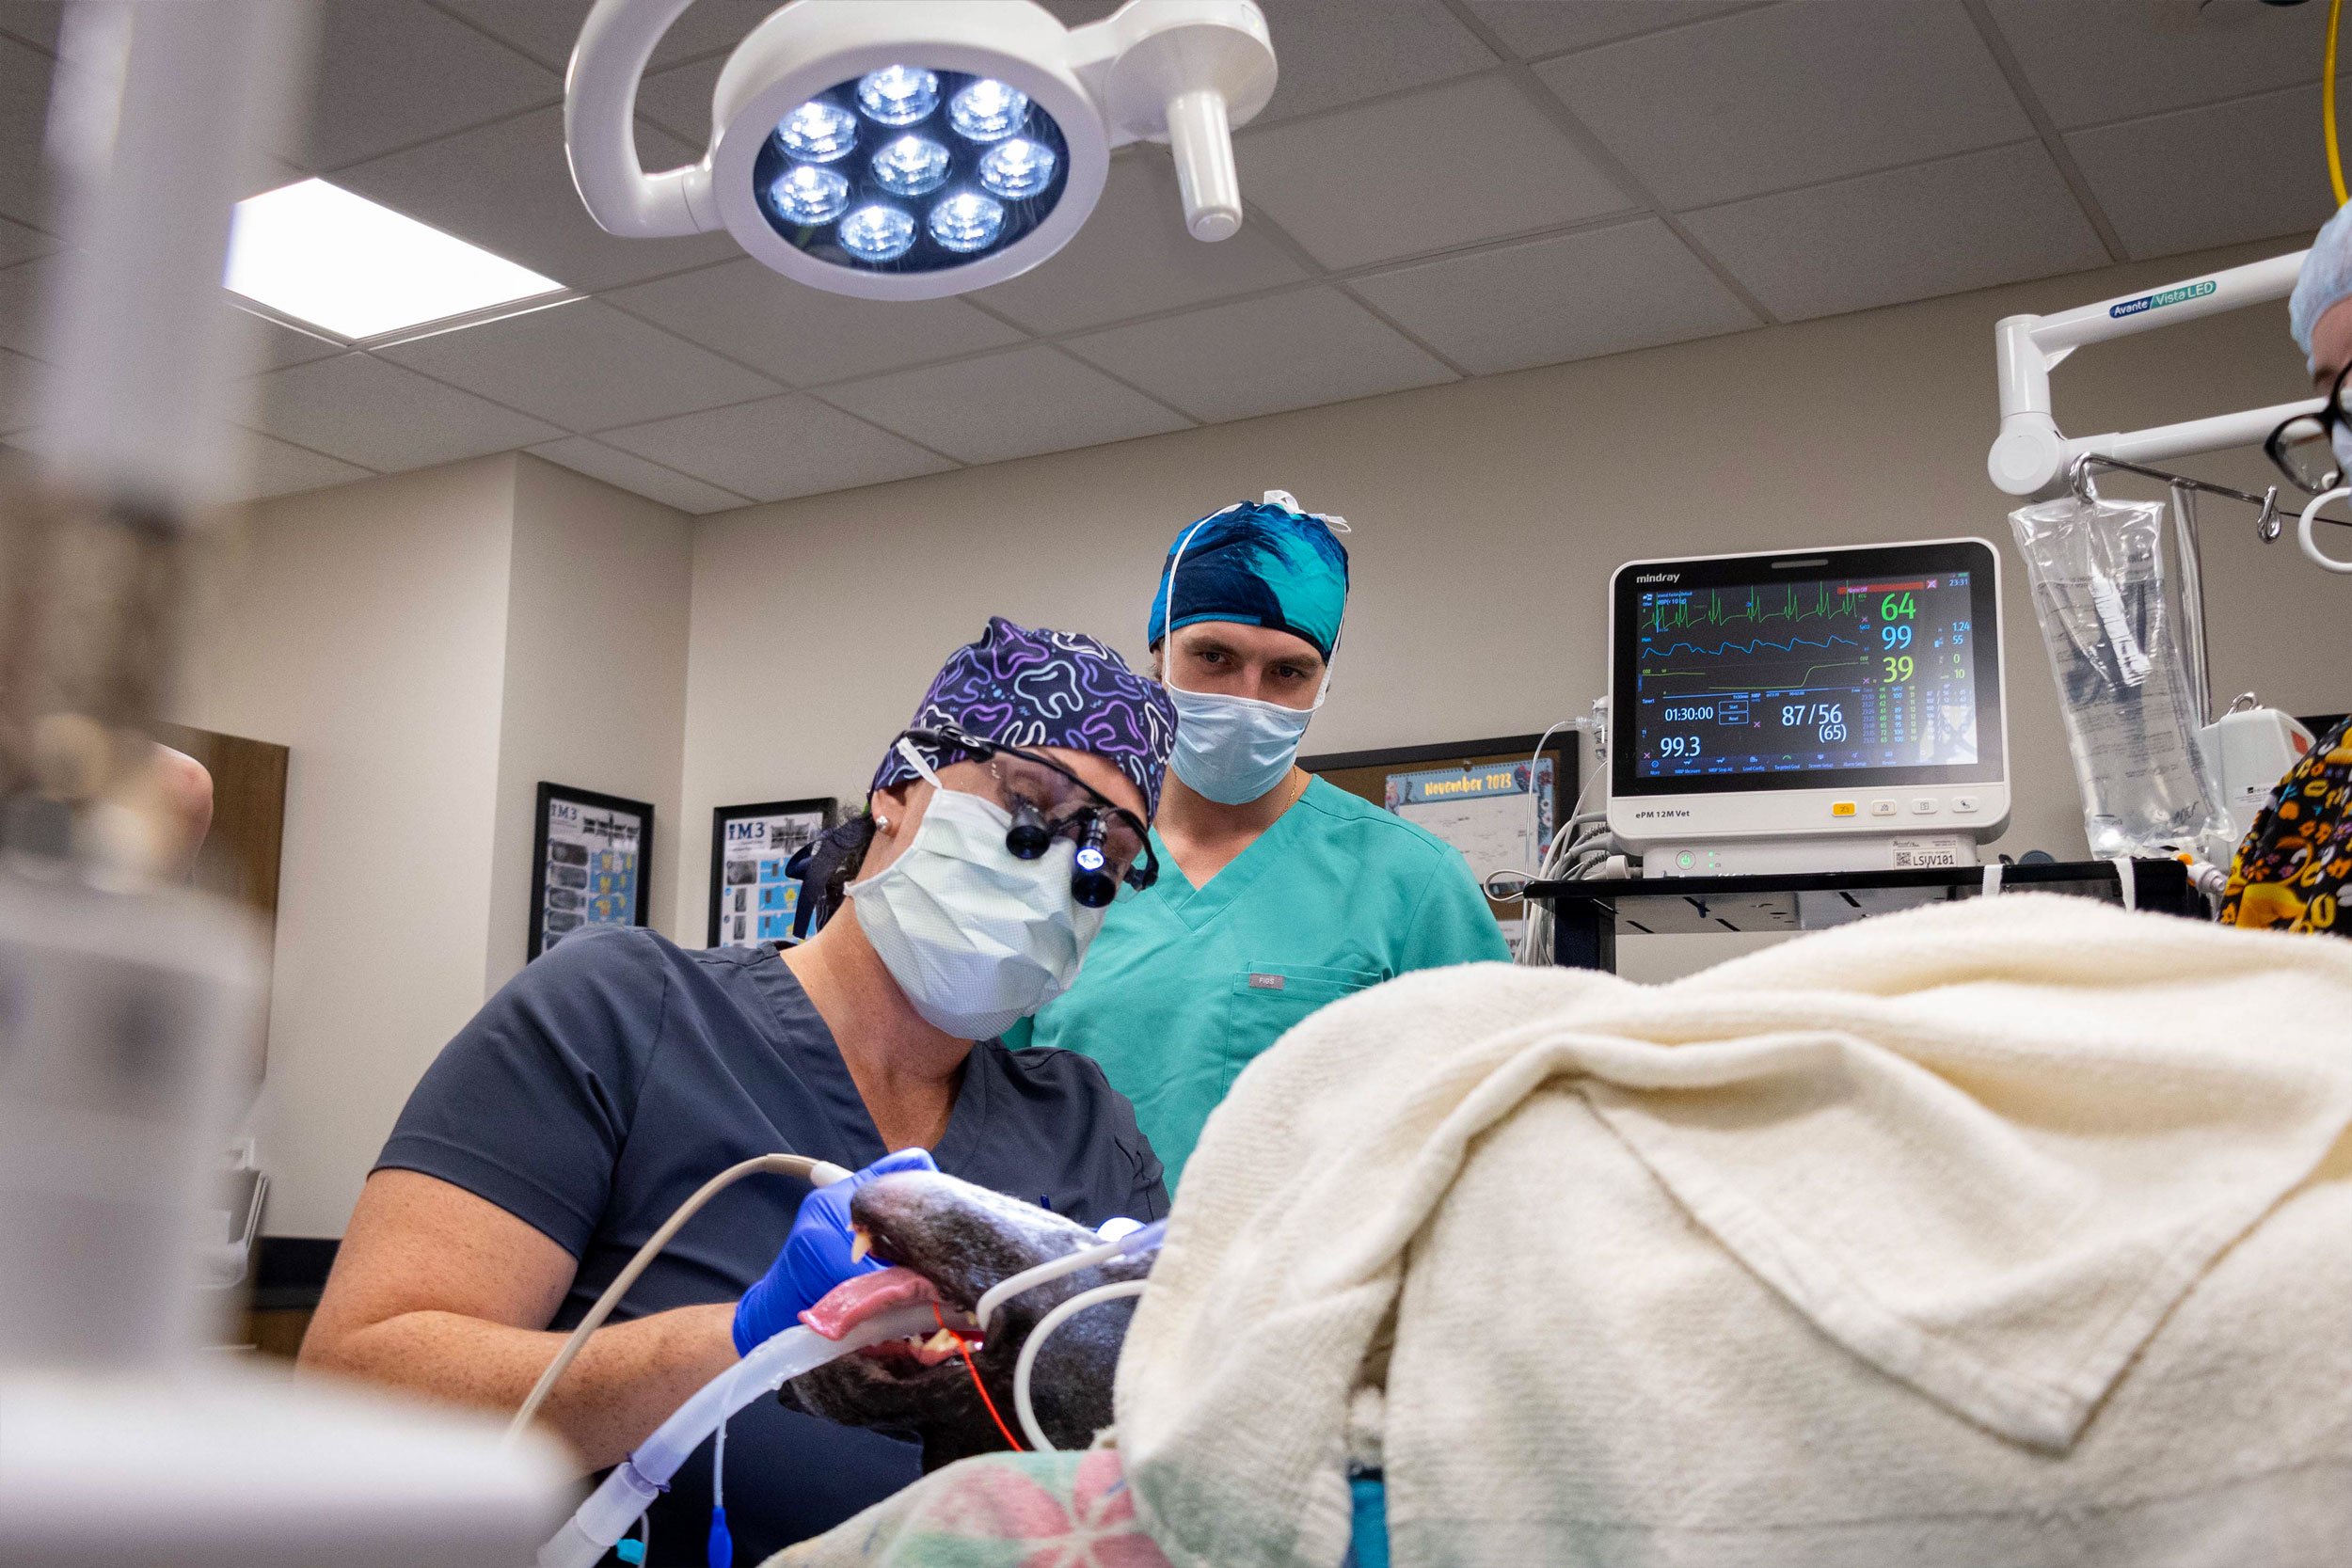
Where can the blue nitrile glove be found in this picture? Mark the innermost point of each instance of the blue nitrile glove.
(816, 1256)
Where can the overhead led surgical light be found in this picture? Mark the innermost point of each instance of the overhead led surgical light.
(920, 148)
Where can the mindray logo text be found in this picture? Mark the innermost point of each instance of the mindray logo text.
(1660, 577)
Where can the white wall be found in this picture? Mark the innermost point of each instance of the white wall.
(1487, 517)
(429, 648)
(364, 629)
(595, 678)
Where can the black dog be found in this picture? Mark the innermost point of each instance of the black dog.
(964, 1239)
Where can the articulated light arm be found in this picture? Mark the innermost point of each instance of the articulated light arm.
(600, 128)
(2031, 456)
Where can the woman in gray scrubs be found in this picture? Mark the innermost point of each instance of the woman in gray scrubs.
(618, 1071)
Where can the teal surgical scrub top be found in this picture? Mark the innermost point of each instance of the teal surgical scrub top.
(1185, 986)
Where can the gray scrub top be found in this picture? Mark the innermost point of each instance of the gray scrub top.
(618, 1072)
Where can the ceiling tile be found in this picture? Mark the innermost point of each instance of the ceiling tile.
(1335, 52)
(584, 366)
(34, 20)
(1968, 222)
(1574, 296)
(679, 99)
(2242, 171)
(507, 188)
(274, 173)
(394, 72)
(24, 111)
(2093, 60)
(1133, 257)
(778, 448)
(628, 472)
(1533, 28)
(804, 336)
(1791, 95)
(19, 391)
(547, 29)
(374, 413)
(20, 294)
(1340, 183)
(273, 468)
(1011, 405)
(19, 243)
(1260, 355)
(269, 345)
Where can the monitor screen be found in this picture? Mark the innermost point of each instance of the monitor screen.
(1837, 669)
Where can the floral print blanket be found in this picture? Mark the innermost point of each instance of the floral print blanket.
(1070, 1509)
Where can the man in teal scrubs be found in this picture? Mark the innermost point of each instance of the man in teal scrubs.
(1277, 892)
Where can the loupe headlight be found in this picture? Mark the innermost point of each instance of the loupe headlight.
(1090, 879)
(922, 148)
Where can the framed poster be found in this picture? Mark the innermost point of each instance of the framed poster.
(752, 900)
(590, 855)
(1479, 796)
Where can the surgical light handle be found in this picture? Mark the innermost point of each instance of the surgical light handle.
(2031, 456)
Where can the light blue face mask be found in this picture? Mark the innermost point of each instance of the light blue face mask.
(1232, 750)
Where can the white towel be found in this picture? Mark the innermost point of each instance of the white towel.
(1840, 1253)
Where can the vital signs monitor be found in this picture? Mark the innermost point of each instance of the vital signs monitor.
(1815, 710)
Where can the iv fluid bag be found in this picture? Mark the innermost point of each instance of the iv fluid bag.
(2097, 574)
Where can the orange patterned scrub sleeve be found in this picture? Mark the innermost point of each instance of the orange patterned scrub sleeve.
(2289, 874)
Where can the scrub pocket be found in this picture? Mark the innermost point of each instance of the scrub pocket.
(1267, 998)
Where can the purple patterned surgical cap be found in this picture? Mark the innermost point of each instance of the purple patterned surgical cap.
(1044, 688)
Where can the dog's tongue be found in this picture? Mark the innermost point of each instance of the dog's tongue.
(863, 1296)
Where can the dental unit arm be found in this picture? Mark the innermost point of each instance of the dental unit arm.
(2032, 458)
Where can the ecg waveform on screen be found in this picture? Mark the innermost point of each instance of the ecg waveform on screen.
(1715, 608)
(1721, 648)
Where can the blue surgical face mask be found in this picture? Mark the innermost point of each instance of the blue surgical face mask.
(1233, 749)
(2340, 437)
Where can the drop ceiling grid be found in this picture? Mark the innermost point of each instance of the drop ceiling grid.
(1344, 60)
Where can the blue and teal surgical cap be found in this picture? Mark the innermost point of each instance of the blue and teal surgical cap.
(2325, 281)
(1260, 563)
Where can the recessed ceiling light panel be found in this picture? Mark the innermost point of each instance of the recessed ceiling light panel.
(318, 254)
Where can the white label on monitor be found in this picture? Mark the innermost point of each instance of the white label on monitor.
(1926, 854)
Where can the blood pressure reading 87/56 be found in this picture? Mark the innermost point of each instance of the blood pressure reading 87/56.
(1805, 677)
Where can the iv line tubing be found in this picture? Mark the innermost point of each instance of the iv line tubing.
(1012, 1285)
(1038, 1337)
(818, 1173)
(2327, 105)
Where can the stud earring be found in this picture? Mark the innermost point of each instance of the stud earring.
(882, 822)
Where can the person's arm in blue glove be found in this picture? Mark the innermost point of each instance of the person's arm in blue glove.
(816, 1256)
